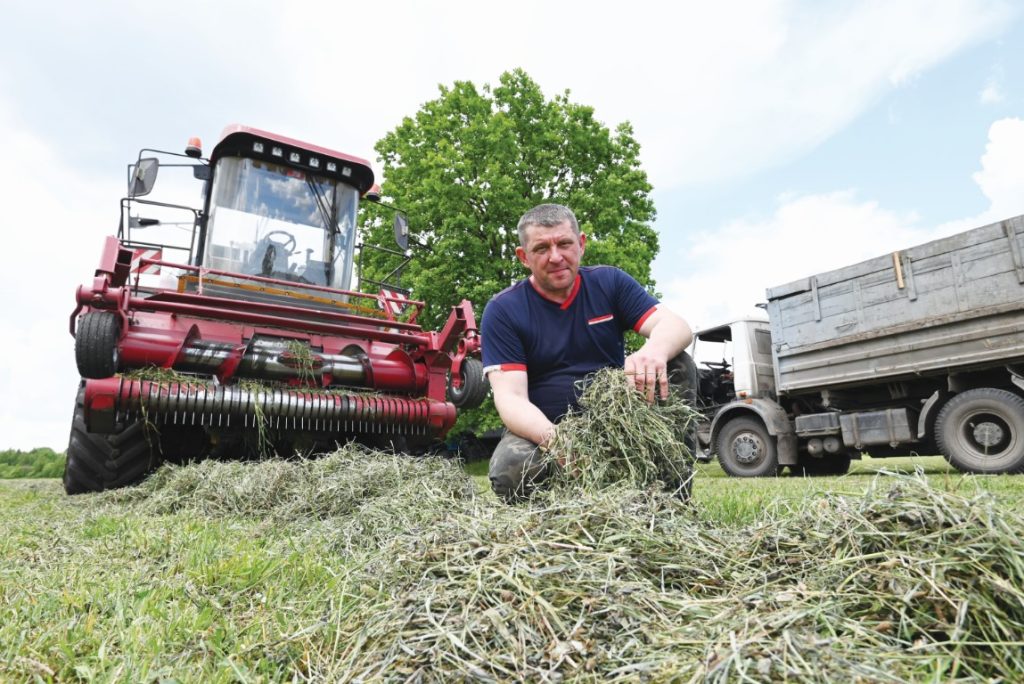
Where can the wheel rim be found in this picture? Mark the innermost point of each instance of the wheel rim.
(986, 434)
(748, 449)
(457, 393)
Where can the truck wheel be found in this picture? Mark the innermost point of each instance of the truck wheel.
(96, 344)
(474, 386)
(745, 449)
(105, 461)
(982, 431)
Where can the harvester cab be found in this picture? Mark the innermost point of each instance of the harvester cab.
(232, 330)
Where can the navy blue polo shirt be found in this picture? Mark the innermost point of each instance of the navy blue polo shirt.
(560, 343)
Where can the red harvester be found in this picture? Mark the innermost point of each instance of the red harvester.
(254, 342)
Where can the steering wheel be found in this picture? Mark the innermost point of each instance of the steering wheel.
(289, 242)
(269, 253)
(721, 365)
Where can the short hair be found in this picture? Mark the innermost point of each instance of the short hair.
(547, 215)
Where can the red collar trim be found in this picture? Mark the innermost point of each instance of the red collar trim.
(568, 300)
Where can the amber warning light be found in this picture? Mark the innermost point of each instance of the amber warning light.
(194, 148)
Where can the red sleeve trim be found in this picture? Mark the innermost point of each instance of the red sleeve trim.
(505, 367)
(640, 323)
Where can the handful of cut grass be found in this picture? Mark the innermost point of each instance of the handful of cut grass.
(617, 437)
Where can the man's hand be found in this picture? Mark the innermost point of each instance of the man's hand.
(667, 335)
(649, 373)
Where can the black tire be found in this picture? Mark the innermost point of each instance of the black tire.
(682, 377)
(828, 464)
(745, 449)
(96, 462)
(474, 385)
(982, 431)
(96, 344)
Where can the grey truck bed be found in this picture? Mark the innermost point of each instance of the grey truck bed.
(954, 303)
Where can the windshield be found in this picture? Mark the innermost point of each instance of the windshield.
(273, 221)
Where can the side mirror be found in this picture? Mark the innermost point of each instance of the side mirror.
(401, 231)
(144, 177)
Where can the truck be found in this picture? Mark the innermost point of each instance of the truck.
(235, 326)
(917, 351)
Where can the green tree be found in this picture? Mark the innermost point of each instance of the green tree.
(41, 462)
(472, 161)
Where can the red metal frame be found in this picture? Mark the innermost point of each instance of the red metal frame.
(157, 329)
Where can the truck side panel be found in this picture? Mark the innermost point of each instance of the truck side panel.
(950, 304)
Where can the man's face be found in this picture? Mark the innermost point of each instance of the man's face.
(552, 253)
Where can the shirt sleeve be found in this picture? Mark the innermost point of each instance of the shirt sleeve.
(635, 304)
(501, 345)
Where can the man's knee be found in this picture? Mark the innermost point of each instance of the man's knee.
(516, 467)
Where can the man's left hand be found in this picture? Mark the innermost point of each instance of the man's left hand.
(649, 374)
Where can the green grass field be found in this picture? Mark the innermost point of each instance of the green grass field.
(94, 590)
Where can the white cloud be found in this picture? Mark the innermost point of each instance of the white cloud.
(1000, 179)
(55, 221)
(992, 93)
(714, 90)
(733, 266)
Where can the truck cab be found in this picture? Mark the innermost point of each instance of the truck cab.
(754, 429)
(734, 361)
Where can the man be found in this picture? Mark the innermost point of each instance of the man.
(560, 324)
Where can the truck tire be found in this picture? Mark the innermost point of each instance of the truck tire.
(96, 344)
(745, 449)
(96, 462)
(474, 385)
(982, 431)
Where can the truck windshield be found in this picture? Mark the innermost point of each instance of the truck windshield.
(273, 221)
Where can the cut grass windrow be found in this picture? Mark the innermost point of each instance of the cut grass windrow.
(367, 566)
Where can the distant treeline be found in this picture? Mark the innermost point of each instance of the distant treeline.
(36, 463)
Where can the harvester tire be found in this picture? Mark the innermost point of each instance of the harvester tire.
(105, 461)
(96, 344)
(474, 385)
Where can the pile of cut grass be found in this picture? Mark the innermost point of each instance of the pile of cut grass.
(902, 584)
(299, 490)
(605, 579)
(617, 437)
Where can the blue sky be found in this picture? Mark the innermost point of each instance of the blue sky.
(783, 137)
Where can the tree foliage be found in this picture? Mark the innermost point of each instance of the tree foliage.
(467, 166)
(42, 462)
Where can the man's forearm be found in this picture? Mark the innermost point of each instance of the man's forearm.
(523, 418)
(671, 336)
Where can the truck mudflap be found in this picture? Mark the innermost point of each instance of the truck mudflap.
(775, 421)
(111, 401)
